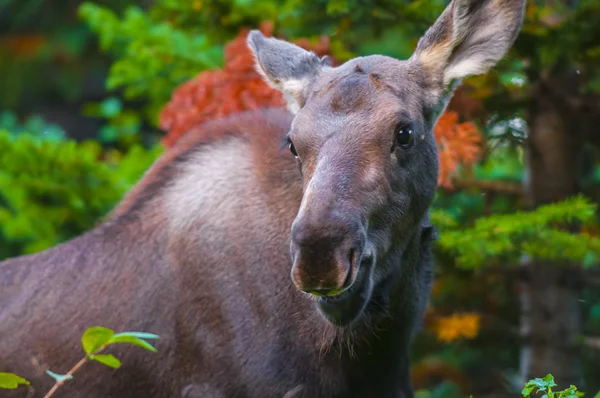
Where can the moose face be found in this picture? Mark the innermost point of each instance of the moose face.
(362, 137)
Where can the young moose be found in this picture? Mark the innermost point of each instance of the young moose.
(265, 271)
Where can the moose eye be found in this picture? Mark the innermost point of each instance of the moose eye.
(293, 149)
(405, 137)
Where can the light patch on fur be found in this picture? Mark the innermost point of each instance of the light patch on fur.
(434, 58)
(470, 66)
(291, 104)
(306, 199)
(294, 86)
(206, 185)
(481, 57)
(294, 391)
(294, 93)
(292, 89)
(372, 175)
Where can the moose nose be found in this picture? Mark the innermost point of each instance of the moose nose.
(325, 255)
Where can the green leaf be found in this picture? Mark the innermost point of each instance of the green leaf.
(139, 335)
(128, 339)
(58, 377)
(107, 359)
(111, 107)
(527, 391)
(11, 381)
(549, 379)
(95, 337)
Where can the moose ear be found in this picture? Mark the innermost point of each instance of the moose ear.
(469, 38)
(286, 67)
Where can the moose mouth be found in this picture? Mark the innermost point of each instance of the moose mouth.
(346, 307)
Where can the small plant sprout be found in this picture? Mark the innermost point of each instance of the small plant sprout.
(94, 340)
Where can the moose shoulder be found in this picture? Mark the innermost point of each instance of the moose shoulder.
(275, 252)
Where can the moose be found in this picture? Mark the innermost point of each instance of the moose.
(277, 252)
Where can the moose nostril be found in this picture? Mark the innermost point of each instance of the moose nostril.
(345, 278)
(352, 257)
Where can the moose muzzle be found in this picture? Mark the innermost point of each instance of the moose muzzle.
(326, 248)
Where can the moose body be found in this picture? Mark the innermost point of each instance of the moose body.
(210, 275)
(266, 271)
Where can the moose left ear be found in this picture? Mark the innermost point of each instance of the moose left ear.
(469, 38)
(286, 67)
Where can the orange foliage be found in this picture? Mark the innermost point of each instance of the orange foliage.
(457, 326)
(430, 371)
(23, 46)
(459, 143)
(466, 100)
(238, 87)
(216, 94)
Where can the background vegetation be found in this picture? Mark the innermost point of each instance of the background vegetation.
(93, 92)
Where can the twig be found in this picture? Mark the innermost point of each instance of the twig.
(74, 369)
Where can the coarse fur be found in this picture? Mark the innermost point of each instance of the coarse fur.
(265, 274)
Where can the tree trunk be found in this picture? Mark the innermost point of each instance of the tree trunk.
(550, 314)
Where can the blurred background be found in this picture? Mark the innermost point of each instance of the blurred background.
(91, 93)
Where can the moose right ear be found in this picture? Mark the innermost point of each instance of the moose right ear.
(286, 67)
(469, 38)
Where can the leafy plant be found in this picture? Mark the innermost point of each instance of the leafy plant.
(507, 236)
(33, 125)
(54, 190)
(545, 385)
(94, 340)
(154, 56)
(122, 124)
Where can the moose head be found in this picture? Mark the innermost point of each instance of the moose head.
(362, 137)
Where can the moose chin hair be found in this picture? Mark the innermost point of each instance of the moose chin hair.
(347, 307)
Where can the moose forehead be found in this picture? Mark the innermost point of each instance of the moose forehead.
(370, 93)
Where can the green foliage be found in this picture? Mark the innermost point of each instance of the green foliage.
(94, 338)
(33, 125)
(135, 338)
(54, 190)
(545, 385)
(97, 338)
(10, 381)
(153, 56)
(174, 40)
(506, 237)
(123, 125)
(107, 359)
(558, 37)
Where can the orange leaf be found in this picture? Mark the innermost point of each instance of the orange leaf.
(458, 143)
(235, 88)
